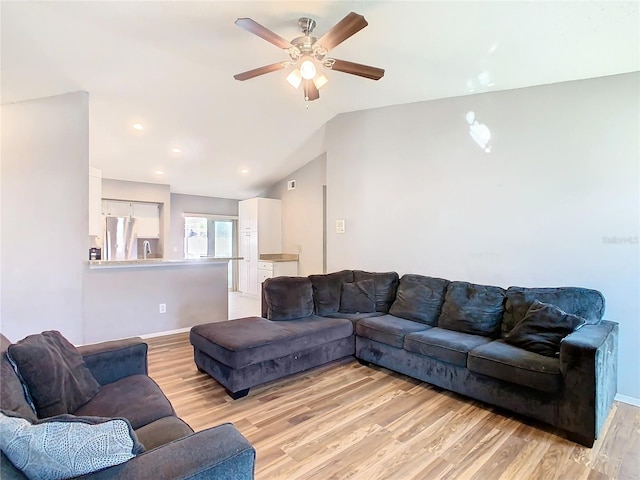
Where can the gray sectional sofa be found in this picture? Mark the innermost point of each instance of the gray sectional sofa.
(120, 388)
(544, 353)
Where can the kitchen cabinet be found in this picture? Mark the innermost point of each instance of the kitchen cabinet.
(248, 215)
(248, 267)
(147, 217)
(271, 269)
(259, 232)
(116, 208)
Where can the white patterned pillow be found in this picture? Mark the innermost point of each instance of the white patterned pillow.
(66, 446)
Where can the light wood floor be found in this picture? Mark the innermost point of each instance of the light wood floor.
(347, 421)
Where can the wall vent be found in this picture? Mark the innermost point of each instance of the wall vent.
(291, 185)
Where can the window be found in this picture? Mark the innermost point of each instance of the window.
(211, 236)
(196, 238)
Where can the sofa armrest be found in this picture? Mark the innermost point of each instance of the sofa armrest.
(111, 361)
(216, 453)
(581, 348)
(589, 364)
(264, 309)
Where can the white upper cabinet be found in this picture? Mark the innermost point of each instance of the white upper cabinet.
(262, 215)
(147, 217)
(248, 215)
(116, 208)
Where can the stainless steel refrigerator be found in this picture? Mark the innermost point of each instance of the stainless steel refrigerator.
(120, 239)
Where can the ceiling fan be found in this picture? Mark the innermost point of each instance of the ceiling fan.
(305, 51)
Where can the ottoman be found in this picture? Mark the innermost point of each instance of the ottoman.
(250, 351)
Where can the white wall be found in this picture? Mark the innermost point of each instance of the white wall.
(303, 214)
(45, 178)
(418, 195)
(181, 204)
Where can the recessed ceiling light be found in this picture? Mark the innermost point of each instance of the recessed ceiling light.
(138, 126)
(159, 172)
(176, 150)
(244, 171)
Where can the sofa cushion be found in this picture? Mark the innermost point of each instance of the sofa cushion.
(419, 298)
(583, 302)
(358, 297)
(247, 341)
(54, 372)
(443, 344)
(386, 284)
(327, 290)
(354, 317)
(137, 398)
(13, 395)
(65, 446)
(543, 328)
(471, 308)
(388, 329)
(512, 364)
(288, 298)
(162, 431)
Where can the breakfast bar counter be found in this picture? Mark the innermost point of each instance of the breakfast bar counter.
(125, 298)
(159, 262)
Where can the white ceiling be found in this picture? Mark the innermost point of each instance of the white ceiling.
(170, 66)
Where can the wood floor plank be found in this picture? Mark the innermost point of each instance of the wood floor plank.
(412, 455)
(347, 421)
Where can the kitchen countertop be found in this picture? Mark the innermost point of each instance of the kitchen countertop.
(279, 257)
(159, 262)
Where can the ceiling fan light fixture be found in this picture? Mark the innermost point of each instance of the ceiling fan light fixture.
(308, 69)
(295, 78)
(320, 81)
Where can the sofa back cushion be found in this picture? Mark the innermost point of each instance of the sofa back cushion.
(288, 298)
(327, 290)
(12, 391)
(419, 298)
(386, 285)
(55, 373)
(358, 297)
(472, 308)
(583, 302)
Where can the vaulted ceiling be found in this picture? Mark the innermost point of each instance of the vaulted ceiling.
(169, 66)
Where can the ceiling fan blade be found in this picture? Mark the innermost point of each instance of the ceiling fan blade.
(254, 27)
(311, 93)
(374, 73)
(274, 67)
(348, 26)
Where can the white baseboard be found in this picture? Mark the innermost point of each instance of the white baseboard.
(168, 332)
(630, 400)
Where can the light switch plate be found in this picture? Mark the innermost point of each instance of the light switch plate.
(340, 228)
